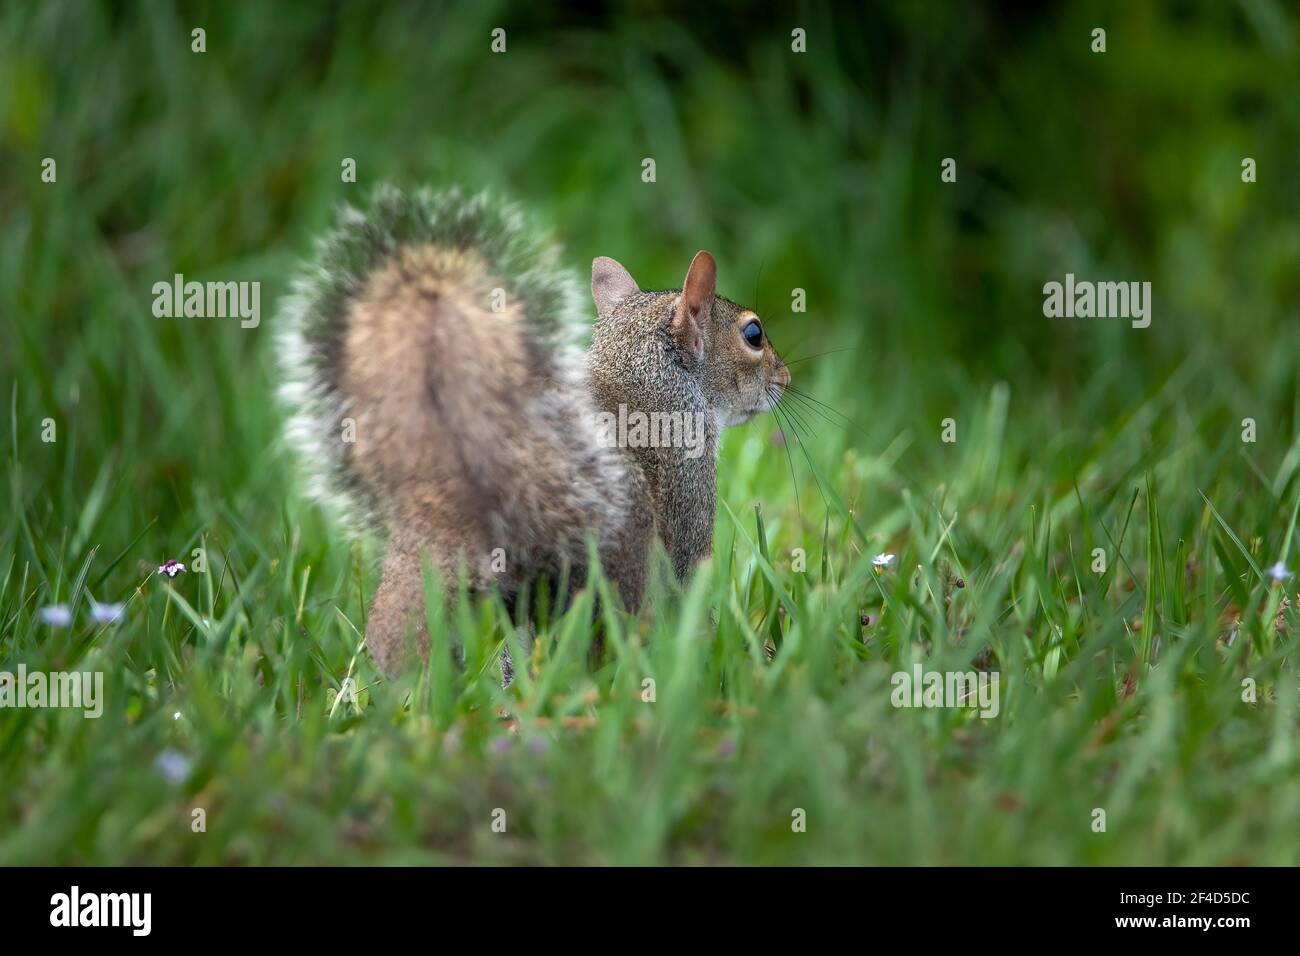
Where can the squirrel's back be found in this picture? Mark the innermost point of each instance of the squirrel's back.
(432, 367)
(437, 385)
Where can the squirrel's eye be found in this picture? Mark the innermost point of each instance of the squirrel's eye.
(752, 333)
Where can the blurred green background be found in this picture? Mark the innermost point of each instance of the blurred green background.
(818, 171)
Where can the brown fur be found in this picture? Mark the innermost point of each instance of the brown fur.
(474, 436)
(681, 351)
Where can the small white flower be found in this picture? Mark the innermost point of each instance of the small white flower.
(106, 613)
(176, 716)
(171, 568)
(56, 615)
(173, 765)
(882, 560)
(1278, 572)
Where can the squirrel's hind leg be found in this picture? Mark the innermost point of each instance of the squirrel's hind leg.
(397, 620)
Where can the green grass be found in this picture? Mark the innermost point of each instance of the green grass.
(1121, 690)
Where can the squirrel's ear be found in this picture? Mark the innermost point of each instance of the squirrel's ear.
(693, 310)
(610, 284)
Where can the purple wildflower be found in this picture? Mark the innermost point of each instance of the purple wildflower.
(106, 613)
(173, 765)
(56, 615)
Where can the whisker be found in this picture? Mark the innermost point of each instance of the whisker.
(797, 415)
(784, 360)
(803, 448)
(801, 403)
(776, 396)
(797, 419)
(809, 358)
(784, 417)
(794, 482)
(794, 390)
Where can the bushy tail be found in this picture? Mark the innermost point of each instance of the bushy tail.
(431, 359)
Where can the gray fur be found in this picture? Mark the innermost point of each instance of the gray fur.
(313, 317)
(476, 425)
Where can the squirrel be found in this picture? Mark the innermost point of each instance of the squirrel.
(439, 393)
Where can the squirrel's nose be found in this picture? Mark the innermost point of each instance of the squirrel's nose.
(782, 376)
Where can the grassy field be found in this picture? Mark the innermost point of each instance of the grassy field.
(1160, 690)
